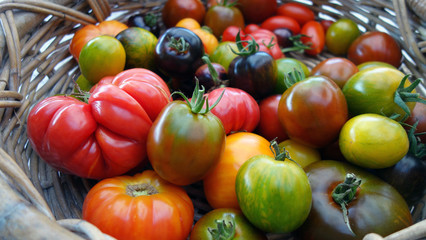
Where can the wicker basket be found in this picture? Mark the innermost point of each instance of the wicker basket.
(39, 202)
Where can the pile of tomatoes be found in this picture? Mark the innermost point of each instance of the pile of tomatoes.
(209, 97)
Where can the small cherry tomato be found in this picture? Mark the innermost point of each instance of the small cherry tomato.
(337, 69)
(340, 35)
(315, 37)
(299, 12)
(175, 10)
(275, 22)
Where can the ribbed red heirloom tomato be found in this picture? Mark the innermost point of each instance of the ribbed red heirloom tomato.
(313, 111)
(105, 136)
(143, 206)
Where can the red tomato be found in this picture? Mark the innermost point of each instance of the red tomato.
(237, 109)
(140, 207)
(88, 32)
(269, 125)
(219, 184)
(316, 37)
(313, 111)
(301, 13)
(326, 24)
(275, 22)
(418, 114)
(230, 33)
(337, 69)
(251, 28)
(267, 41)
(109, 132)
(175, 10)
(375, 46)
(256, 11)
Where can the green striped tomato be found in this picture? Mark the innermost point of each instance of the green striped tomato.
(274, 195)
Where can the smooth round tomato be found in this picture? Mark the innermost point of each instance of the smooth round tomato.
(275, 22)
(230, 33)
(373, 141)
(368, 211)
(185, 142)
(143, 206)
(100, 57)
(88, 32)
(286, 66)
(326, 24)
(188, 23)
(300, 153)
(418, 114)
(219, 17)
(340, 35)
(175, 10)
(314, 37)
(274, 193)
(373, 90)
(337, 69)
(249, 28)
(256, 11)
(313, 111)
(370, 64)
(223, 54)
(227, 223)
(269, 125)
(139, 45)
(299, 12)
(219, 183)
(375, 46)
(237, 110)
(210, 42)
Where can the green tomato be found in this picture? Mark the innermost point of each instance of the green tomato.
(274, 195)
(370, 64)
(225, 223)
(284, 67)
(100, 57)
(223, 54)
(340, 35)
(372, 91)
(139, 45)
(373, 141)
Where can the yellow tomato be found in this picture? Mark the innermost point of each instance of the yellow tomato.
(210, 42)
(300, 153)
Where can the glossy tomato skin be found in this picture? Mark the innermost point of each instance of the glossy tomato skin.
(407, 176)
(372, 91)
(375, 46)
(255, 74)
(147, 21)
(284, 67)
(219, 17)
(175, 10)
(183, 146)
(418, 114)
(299, 12)
(88, 32)
(256, 11)
(249, 28)
(315, 37)
(114, 207)
(244, 230)
(231, 32)
(313, 111)
(340, 35)
(205, 78)
(269, 125)
(175, 63)
(219, 184)
(300, 153)
(224, 55)
(237, 110)
(368, 212)
(108, 133)
(267, 41)
(274, 195)
(275, 22)
(337, 69)
(373, 141)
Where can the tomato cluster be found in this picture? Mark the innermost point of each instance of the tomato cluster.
(210, 97)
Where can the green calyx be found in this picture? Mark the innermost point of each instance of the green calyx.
(251, 47)
(417, 148)
(213, 72)
(224, 230)
(404, 95)
(344, 193)
(143, 189)
(225, 3)
(298, 45)
(150, 20)
(280, 154)
(293, 77)
(179, 45)
(198, 99)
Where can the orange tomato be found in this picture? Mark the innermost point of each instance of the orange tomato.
(219, 184)
(210, 42)
(88, 32)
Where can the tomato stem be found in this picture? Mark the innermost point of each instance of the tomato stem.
(298, 45)
(404, 95)
(251, 47)
(143, 189)
(223, 230)
(179, 45)
(417, 148)
(279, 154)
(293, 77)
(344, 193)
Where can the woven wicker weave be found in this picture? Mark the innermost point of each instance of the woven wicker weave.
(41, 203)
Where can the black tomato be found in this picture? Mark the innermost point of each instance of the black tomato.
(147, 21)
